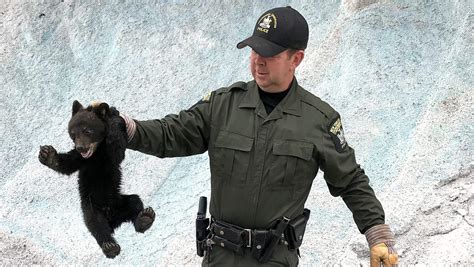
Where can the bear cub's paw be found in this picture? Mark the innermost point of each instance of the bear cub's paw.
(48, 156)
(110, 249)
(144, 220)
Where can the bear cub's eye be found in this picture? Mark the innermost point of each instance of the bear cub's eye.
(72, 134)
(87, 131)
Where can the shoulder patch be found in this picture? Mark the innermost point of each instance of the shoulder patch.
(337, 134)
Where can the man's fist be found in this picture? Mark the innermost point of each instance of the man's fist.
(381, 253)
(381, 243)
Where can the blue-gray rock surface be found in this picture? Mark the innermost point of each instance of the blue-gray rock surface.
(399, 72)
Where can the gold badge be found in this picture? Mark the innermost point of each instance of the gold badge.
(207, 97)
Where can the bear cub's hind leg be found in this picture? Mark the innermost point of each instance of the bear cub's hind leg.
(110, 249)
(131, 209)
(144, 220)
(102, 232)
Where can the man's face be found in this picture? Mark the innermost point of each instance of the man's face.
(274, 74)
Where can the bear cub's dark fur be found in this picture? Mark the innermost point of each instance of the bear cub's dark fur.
(100, 140)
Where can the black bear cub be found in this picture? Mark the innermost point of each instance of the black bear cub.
(100, 140)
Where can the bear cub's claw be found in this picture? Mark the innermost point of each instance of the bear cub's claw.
(48, 156)
(110, 249)
(144, 220)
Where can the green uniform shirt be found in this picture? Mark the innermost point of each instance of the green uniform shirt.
(262, 166)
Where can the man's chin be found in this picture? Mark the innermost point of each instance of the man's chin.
(262, 83)
(267, 87)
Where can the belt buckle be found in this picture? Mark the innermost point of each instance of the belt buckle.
(249, 244)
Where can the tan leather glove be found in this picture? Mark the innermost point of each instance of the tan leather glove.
(381, 242)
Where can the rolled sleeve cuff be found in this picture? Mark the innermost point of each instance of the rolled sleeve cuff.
(379, 234)
(131, 127)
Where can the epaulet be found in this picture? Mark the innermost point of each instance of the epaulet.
(318, 104)
(237, 85)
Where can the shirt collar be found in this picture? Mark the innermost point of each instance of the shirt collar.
(251, 97)
(291, 103)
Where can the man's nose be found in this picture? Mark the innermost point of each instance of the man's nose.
(258, 59)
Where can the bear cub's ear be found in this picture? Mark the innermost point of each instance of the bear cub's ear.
(102, 110)
(76, 106)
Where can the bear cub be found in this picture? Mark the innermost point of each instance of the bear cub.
(100, 141)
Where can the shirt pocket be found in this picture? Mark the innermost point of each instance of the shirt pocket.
(231, 157)
(293, 163)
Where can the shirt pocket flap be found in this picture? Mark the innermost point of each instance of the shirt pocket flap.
(233, 141)
(298, 149)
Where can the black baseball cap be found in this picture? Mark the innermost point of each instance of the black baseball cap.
(277, 30)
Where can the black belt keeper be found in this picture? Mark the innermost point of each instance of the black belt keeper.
(260, 242)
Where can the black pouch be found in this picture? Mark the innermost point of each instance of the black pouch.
(295, 231)
(228, 231)
(219, 241)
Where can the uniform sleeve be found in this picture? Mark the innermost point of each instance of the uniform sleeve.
(175, 135)
(346, 178)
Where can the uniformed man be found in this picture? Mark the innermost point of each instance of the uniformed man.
(266, 140)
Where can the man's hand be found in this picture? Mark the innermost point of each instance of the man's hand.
(130, 124)
(383, 253)
(381, 242)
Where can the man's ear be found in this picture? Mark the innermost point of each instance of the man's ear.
(102, 109)
(76, 106)
(297, 58)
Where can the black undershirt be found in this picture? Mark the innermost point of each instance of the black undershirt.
(270, 100)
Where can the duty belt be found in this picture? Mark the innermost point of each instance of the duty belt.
(261, 242)
(235, 238)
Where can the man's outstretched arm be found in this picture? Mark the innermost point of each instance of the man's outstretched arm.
(175, 135)
(347, 179)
